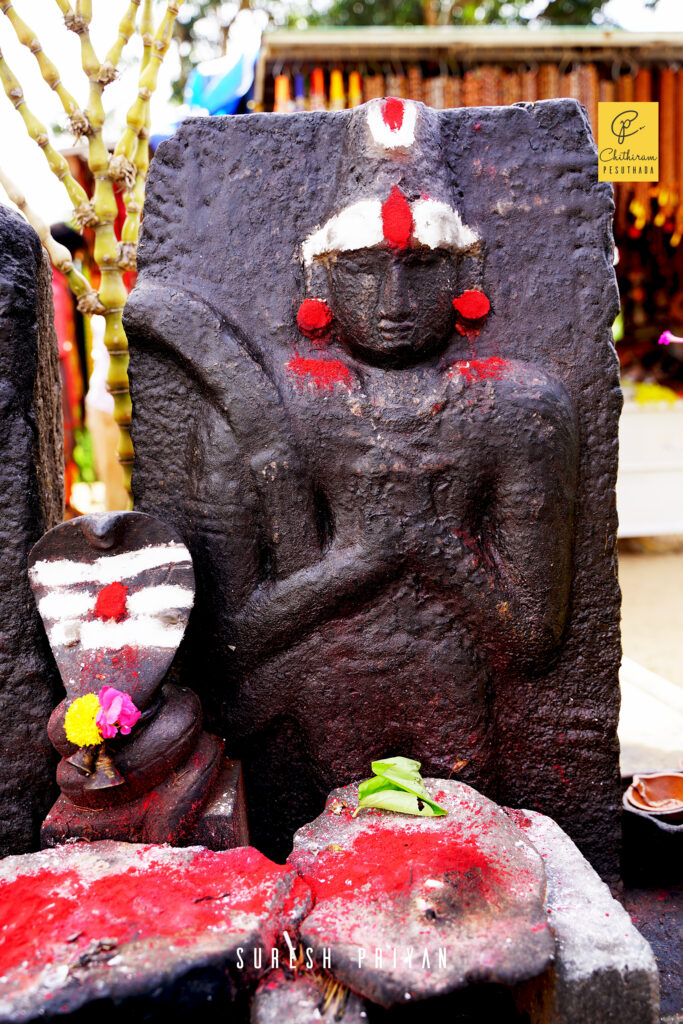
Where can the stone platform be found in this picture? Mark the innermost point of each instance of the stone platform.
(602, 970)
(115, 922)
(482, 914)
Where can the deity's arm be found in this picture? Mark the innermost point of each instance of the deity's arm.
(511, 564)
(306, 582)
(282, 610)
(229, 373)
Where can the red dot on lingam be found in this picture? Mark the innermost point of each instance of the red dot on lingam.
(397, 220)
(472, 305)
(392, 113)
(111, 602)
(314, 316)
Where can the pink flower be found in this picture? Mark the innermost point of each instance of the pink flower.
(117, 711)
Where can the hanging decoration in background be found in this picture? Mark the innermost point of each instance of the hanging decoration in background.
(439, 85)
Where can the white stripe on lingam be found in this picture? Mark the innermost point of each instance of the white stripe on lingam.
(63, 604)
(158, 599)
(109, 568)
(143, 631)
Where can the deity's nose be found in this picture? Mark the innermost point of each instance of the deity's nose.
(395, 302)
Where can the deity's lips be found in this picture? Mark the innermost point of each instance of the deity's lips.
(395, 329)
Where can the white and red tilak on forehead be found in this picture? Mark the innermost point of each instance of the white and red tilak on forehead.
(391, 220)
(114, 601)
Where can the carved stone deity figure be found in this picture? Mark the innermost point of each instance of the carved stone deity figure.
(375, 392)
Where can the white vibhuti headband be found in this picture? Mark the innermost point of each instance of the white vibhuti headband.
(371, 222)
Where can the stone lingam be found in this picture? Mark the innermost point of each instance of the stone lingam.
(376, 394)
(114, 592)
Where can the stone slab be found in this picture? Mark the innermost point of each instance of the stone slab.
(31, 501)
(115, 921)
(414, 908)
(370, 578)
(284, 999)
(604, 969)
(658, 915)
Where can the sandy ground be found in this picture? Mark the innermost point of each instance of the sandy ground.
(651, 577)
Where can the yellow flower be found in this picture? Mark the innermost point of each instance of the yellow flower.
(79, 722)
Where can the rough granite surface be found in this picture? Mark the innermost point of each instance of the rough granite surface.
(604, 969)
(31, 502)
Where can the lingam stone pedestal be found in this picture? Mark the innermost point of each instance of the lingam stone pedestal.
(31, 501)
(375, 391)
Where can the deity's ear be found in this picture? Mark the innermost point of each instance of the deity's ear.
(314, 316)
(472, 305)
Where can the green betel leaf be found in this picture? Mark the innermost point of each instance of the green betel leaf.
(403, 772)
(411, 784)
(398, 764)
(392, 799)
(398, 786)
(370, 786)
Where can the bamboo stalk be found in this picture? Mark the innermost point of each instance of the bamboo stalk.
(126, 29)
(135, 121)
(60, 257)
(128, 165)
(83, 209)
(49, 71)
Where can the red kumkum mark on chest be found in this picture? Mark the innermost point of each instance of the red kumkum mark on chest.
(480, 369)
(111, 602)
(324, 373)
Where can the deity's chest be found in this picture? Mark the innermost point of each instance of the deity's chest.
(400, 437)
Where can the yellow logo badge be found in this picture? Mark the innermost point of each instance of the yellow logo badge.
(628, 141)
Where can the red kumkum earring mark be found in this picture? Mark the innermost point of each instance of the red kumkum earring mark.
(397, 220)
(472, 306)
(314, 317)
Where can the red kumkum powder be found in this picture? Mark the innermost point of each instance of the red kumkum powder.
(111, 602)
(481, 369)
(397, 220)
(395, 860)
(324, 373)
(472, 305)
(40, 911)
(392, 113)
(314, 316)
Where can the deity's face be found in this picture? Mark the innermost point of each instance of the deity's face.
(393, 307)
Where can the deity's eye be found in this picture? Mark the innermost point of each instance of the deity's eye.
(358, 262)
